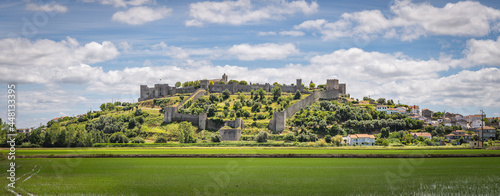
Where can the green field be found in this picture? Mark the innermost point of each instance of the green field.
(247, 150)
(251, 176)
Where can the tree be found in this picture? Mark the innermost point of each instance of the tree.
(211, 82)
(243, 82)
(261, 137)
(221, 82)
(178, 84)
(262, 93)
(384, 132)
(276, 93)
(103, 107)
(237, 105)
(233, 81)
(328, 139)
(337, 140)
(215, 138)
(297, 95)
(118, 137)
(461, 140)
(35, 137)
(160, 139)
(276, 84)
(186, 133)
(312, 85)
(225, 94)
(381, 100)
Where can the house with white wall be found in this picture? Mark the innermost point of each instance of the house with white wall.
(361, 140)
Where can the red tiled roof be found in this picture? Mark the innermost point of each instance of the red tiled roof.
(423, 134)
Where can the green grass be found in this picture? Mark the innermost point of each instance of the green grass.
(256, 176)
(245, 150)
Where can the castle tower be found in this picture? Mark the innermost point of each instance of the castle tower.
(224, 78)
(332, 84)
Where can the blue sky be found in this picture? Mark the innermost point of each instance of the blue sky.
(68, 57)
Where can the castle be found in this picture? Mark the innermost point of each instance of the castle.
(164, 90)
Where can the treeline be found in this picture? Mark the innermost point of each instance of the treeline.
(326, 116)
(86, 132)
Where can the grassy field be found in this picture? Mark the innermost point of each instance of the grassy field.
(246, 150)
(255, 176)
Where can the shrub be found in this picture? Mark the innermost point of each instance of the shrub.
(261, 137)
(118, 137)
(225, 94)
(289, 137)
(186, 133)
(138, 140)
(160, 139)
(328, 139)
(297, 95)
(215, 138)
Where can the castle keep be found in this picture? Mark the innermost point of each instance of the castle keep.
(163, 90)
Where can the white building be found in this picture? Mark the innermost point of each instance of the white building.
(382, 108)
(360, 139)
(477, 124)
(425, 135)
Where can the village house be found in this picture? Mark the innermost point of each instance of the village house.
(447, 122)
(427, 113)
(477, 124)
(462, 123)
(414, 109)
(382, 108)
(425, 135)
(455, 135)
(361, 139)
(488, 133)
(471, 118)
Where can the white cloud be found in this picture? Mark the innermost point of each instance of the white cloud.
(268, 51)
(50, 7)
(409, 21)
(244, 12)
(141, 15)
(292, 33)
(267, 33)
(45, 61)
(482, 52)
(121, 3)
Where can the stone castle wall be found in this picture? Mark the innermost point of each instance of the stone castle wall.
(279, 118)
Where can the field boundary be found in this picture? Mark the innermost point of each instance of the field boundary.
(261, 156)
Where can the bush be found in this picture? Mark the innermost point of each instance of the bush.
(225, 94)
(261, 137)
(186, 133)
(118, 137)
(160, 139)
(289, 137)
(138, 140)
(328, 139)
(215, 138)
(298, 95)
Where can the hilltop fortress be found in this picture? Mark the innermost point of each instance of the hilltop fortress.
(332, 90)
(164, 90)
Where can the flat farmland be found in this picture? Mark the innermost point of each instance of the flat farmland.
(255, 176)
(243, 150)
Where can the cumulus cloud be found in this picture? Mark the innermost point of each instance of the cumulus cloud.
(408, 21)
(482, 52)
(121, 3)
(141, 15)
(42, 61)
(244, 12)
(267, 33)
(49, 7)
(292, 33)
(268, 51)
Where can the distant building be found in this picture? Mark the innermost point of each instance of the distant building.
(427, 113)
(382, 108)
(471, 118)
(455, 135)
(361, 139)
(462, 123)
(25, 131)
(414, 109)
(425, 135)
(488, 133)
(395, 110)
(447, 122)
(477, 124)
